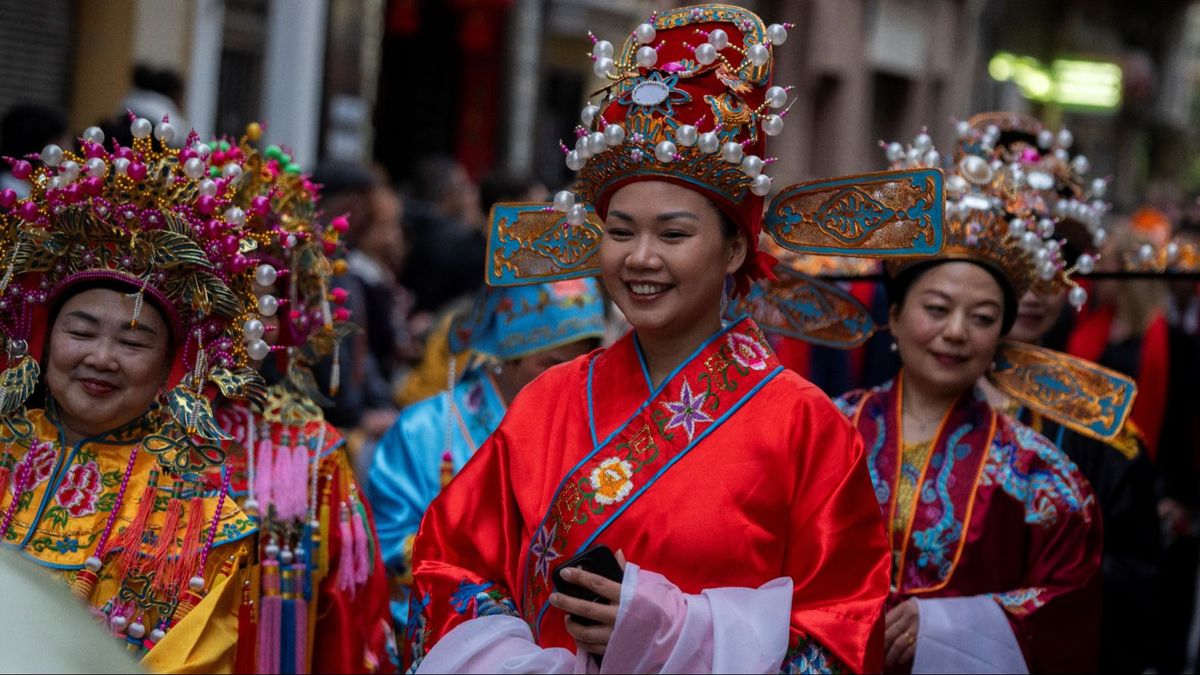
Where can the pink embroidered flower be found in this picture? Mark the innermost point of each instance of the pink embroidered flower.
(747, 351)
(569, 288)
(40, 460)
(80, 490)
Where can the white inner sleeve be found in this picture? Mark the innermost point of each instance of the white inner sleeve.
(966, 635)
(496, 644)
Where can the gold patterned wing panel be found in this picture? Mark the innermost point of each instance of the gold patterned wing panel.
(805, 308)
(194, 414)
(886, 214)
(1076, 393)
(531, 243)
(17, 383)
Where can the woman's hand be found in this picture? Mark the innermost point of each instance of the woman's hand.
(900, 635)
(592, 639)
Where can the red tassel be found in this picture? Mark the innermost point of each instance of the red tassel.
(4, 474)
(130, 539)
(159, 561)
(189, 555)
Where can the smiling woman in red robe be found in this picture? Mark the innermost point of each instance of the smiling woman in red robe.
(737, 494)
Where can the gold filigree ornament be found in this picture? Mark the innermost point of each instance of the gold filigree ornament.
(161, 222)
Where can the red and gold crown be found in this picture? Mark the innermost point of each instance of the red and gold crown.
(1015, 198)
(160, 221)
(299, 250)
(690, 100)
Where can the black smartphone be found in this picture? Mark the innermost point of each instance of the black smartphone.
(597, 560)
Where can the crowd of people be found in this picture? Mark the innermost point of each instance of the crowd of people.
(260, 420)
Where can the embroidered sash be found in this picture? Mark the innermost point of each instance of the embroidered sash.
(930, 545)
(702, 393)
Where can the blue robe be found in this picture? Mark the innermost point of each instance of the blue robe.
(407, 471)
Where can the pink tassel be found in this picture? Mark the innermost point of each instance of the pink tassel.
(270, 617)
(262, 475)
(290, 495)
(299, 481)
(345, 576)
(362, 563)
(280, 479)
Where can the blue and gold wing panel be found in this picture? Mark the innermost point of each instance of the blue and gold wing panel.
(886, 214)
(1076, 393)
(804, 308)
(531, 243)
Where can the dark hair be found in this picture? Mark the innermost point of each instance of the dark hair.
(338, 177)
(504, 186)
(728, 227)
(897, 287)
(27, 128)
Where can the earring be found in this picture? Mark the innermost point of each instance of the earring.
(726, 293)
(497, 368)
(894, 347)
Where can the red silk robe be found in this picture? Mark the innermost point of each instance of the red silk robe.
(999, 511)
(737, 472)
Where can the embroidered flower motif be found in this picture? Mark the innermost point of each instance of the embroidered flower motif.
(568, 289)
(686, 411)
(80, 489)
(543, 550)
(612, 480)
(40, 459)
(747, 351)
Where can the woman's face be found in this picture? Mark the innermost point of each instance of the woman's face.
(1036, 315)
(664, 257)
(948, 327)
(102, 372)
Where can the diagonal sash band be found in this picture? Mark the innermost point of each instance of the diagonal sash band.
(704, 392)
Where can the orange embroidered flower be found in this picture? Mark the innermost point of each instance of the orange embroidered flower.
(612, 480)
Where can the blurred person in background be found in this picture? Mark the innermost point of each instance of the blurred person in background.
(429, 376)
(24, 130)
(444, 229)
(370, 359)
(156, 93)
(513, 335)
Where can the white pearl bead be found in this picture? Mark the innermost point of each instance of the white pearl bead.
(287, 557)
(1016, 227)
(772, 124)
(588, 115)
(250, 506)
(232, 171)
(1065, 138)
(1052, 246)
(156, 635)
(1081, 165)
(922, 142)
(97, 168)
(118, 623)
(93, 134)
(583, 146)
(776, 97)
(136, 630)
(1100, 238)
(1041, 255)
(645, 33)
(141, 128)
(202, 150)
(709, 142)
(687, 135)
(647, 57)
(912, 157)
(1086, 264)
(268, 305)
(1045, 139)
(1099, 187)
(1145, 253)
(1047, 270)
(956, 186)
(235, 215)
(208, 188)
(574, 161)
(164, 132)
(93, 563)
(258, 350)
(1029, 241)
(563, 201)
(706, 54)
(56, 183)
(577, 215)
(761, 185)
(597, 142)
(253, 329)
(52, 155)
(1077, 297)
(895, 152)
(272, 550)
(614, 135)
(1045, 228)
(194, 168)
(1172, 252)
(719, 39)
(603, 67)
(752, 165)
(69, 170)
(975, 169)
(962, 129)
(665, 152)
(265, 275)
(732, 152)
(602, 49)
(777, 34)
(121, 166)
(933, 159)
(758, 55)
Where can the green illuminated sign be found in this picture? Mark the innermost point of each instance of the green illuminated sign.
(1072, 83)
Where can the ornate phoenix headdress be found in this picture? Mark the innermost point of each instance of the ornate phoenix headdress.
(162, 222)
(1015, 197)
